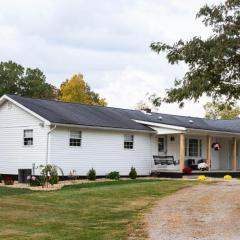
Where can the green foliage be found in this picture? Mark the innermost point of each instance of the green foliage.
(221, 110)
(49, 174)
(113, 175)
(133, 173)
(77, 90)
(14, 79)
(53, 179)
(91, 175)
(213, 63)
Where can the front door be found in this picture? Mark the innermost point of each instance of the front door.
(215, 159)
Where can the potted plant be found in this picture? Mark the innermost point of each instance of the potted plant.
(187, 170)
(202, 166)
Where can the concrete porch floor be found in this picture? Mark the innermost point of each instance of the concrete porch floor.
(212, 173)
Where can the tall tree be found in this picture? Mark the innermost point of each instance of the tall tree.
(213, 63)
(77, 90)
(221, 110)
(14, 79)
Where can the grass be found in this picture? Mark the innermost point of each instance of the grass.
(104, 210)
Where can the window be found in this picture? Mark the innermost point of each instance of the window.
(128, 141)
(28, 137)
(193, 147)
(161, 144)
(75, 138)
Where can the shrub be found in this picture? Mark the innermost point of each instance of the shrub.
(1, 178)
(33, 181)
(133, 173)
(91, 175)
(49, 174)
(227, 177)
(202, 178)
(53, 179)
(187, 170)
(113, 175)
(8, 180)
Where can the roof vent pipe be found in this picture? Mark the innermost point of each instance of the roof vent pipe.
(147, 110)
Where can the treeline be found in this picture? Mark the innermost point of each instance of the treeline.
(15, 79)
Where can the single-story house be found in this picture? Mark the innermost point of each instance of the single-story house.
(80, 137)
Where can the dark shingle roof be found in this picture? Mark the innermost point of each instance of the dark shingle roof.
(90, 115)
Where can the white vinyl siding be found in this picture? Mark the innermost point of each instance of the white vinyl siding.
(13, 122)
(102, 150)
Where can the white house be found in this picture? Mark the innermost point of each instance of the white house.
(79, 137)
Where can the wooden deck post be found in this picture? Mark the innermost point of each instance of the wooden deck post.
(234, 154)
(209, 152)
(182, 151)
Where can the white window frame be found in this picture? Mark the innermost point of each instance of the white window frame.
(164, 144)
(24, 137)
(75, 138)
(131, 141)
(199, 146)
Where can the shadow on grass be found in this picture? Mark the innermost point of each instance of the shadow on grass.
(7, 191)
(107, 183)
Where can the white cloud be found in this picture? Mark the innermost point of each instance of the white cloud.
(108, 41)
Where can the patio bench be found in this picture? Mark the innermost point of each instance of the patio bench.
(164, 160)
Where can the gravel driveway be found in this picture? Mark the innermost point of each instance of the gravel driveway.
(207, 212)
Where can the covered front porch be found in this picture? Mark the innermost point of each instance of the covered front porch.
(175, 149)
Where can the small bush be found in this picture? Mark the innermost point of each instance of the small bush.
(133, 173)
(91, 175)
(113, 175)
(53, 179)
(49, 174)
(33, 181)
(8, 180)
(187, 170)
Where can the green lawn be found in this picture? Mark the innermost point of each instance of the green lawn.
(112, 210)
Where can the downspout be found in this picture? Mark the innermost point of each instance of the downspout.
(48, 137)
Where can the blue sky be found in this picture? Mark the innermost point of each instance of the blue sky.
(106, 40)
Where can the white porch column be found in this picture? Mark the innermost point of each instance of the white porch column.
(234, 154)
(209, 152)
(182, 151)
